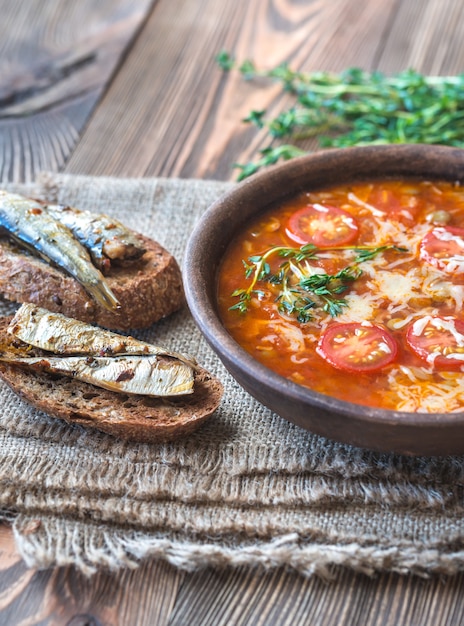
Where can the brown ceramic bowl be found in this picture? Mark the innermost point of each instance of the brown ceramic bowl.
(379, 429)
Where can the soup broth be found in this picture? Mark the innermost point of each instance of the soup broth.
(356, 292)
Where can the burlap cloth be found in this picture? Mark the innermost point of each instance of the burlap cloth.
(247, 488)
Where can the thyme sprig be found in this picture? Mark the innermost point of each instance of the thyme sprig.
(301, 289)
(355, 107)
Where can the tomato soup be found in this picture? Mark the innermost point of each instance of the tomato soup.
(356, 292)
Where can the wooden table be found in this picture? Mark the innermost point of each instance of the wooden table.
(131, 88)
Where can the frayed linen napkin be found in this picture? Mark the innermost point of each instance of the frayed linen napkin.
(247, 488)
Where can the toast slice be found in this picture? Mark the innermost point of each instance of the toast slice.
(135, 418)
(148, 289)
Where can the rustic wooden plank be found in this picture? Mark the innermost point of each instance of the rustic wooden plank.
(57, 58)
(232, 597)
(144, 596)
(429, 40)
(201, 136)
(241, 597)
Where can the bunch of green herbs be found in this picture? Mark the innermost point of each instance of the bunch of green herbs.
(355, 108)
(299, 288)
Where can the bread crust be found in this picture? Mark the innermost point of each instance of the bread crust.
(135, 418)
(148, 289)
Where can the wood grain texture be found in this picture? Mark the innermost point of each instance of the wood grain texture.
(160, 106)
(243, 597)
(56, 59)
(143, 597)
(157, 594)
(426, 40)
(197, 129)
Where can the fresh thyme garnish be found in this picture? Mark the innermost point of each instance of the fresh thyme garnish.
(301, 288)
(356, 107)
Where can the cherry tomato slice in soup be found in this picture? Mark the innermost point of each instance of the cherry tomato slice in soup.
(357, 348)
(443, 248)
(323, 226)
(438, 340)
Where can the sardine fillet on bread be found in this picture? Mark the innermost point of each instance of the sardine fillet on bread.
(148, 289)
(135, 418)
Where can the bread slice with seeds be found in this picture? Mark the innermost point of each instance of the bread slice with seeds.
(137, 418)
(148, 288)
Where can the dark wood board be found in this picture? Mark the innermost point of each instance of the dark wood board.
(57, 58)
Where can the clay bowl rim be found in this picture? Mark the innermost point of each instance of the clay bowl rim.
(208, 242)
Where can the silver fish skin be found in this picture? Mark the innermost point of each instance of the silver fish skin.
(146, 375)
(104, 237)
(27, 223)
(59, 334)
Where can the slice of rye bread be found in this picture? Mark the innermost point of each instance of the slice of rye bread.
(148, 289)
(135, 418)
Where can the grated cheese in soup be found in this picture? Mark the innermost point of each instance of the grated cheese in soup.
(393, 335)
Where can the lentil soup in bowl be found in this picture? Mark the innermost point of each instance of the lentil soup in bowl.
(332, 288)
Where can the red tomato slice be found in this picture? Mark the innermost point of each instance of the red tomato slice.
(443, 247)
(324, 226)
(438, 340)
(357, 348)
